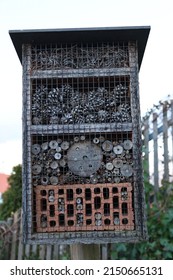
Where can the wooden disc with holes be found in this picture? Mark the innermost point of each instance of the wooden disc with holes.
(84, 159)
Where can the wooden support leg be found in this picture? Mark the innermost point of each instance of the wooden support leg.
(85, 252)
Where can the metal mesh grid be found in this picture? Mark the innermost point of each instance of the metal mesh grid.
(81, 208)
(75, 56)
(81, 100)
(82, 158)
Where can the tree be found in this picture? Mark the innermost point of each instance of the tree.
(12, 198)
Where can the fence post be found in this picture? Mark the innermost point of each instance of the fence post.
(171, 124)
(42, 251)
(165, 143)
(20, 245)
(85, 252)
(48, 252)
(146, 145)
(15, 235)
(156, 164)
(55, 252)
(104, 251)
(27, 251)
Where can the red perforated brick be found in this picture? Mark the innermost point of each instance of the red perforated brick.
(84, 207)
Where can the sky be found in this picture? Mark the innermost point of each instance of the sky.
(155, 77)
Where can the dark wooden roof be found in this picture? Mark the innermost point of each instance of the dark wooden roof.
(85, 35)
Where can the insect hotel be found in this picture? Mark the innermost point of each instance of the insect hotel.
(82, 167)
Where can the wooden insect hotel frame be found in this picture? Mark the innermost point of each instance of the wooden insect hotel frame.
(82, 148)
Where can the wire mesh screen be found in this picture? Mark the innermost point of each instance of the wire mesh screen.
(80, 141)
(76, 56)
(81, 100)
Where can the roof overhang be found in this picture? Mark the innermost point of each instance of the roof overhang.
(138, 34)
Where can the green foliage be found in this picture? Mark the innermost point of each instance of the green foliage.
(32, 256)
(160, 229)
(12, 198)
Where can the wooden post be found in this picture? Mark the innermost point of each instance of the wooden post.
(146, 146)
(48, 252)
(56, 252)
(85, 252)
(15, 236)
(165, 144)
(155, 140)
(105, 251)
(34, 250)
(172, 134)
(27, 251)
(42, 251)
(20, 245)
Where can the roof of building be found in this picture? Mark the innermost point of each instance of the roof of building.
(84, 35)
(4, 185)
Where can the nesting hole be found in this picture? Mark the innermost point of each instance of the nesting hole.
(96, 190)
(78, 191)
(88, 194)
(115, 202)
(61, 220)
(125, 221)
(43, 192)
(88, 209)
(52, 210)
(107, 222)
(88, 222)
(70, 223)
(70, 210)
(106, 209)
(105, 193)
(114, 190)
(69, 194)
(52, 223)
(97, 202)
(124, 208)
(43, 204)
(116, 215)
(60, 191)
